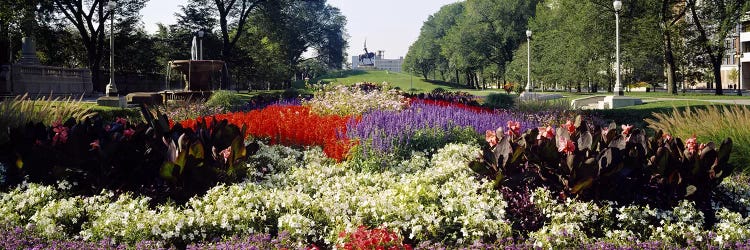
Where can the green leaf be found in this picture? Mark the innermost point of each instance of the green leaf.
(167, 171)
(197, 150)
(581, 185)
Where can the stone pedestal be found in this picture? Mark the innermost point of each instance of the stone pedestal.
(613, 102)
(111, 101)
(28, 52)
(144, 98)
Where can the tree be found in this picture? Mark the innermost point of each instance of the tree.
(89, 18)
(671, 15)
(233, 16)
(427, 50)
(713, 21)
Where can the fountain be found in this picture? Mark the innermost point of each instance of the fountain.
(197, 74)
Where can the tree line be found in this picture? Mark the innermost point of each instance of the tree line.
(263, 42)
(671, 43)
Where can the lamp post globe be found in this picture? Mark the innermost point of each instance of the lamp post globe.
(111, 88)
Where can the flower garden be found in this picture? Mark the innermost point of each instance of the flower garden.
(363, 167)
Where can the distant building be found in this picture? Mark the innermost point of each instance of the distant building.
(735, 67)
(379, 62)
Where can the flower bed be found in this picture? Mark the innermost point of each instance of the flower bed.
(528, 185)
(289, 125)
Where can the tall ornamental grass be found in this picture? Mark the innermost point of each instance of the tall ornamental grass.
(715, 123)
(21, 110)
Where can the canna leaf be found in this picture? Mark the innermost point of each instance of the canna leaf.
(579, 186)
(197, 150)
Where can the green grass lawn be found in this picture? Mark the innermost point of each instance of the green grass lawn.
(404, 81)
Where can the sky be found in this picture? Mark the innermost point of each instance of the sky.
(390, 25)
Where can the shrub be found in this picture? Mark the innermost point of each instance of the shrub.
(534, 106)
(499, 101)
(153, 159)
(225, 100)
(590, 163)
(711, 124)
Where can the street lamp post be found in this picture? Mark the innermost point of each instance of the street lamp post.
(618, 85)
(528, 64)
(200, 36)
(111, 89)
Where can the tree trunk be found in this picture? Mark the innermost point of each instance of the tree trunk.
(716, 63)
(670, 64)
(669, 61)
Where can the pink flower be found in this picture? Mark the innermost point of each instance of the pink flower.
(128, 133)
(122, 121)
(56, 124)
(570, 127)
(691, 144)
(514, 128)
(61, 135)
(94, 145)
(626, 129)
(547, 132)
(491, 137)
(226, 153)
(667, 137)
(566, 146)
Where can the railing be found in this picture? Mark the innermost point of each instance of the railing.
(39, 79)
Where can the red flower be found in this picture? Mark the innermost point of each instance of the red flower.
(128, 133)
(226, 153)
(378, 238)
(626, 129)
(570, 127)
(514, 128)
(667, 137)
(691, 144)
(566, 146)
(491, 137)
(547, 132)
(94, 145)
(290, 125)
(121, 120)
(61, 134)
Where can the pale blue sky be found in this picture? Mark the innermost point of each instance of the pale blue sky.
(390, 25)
